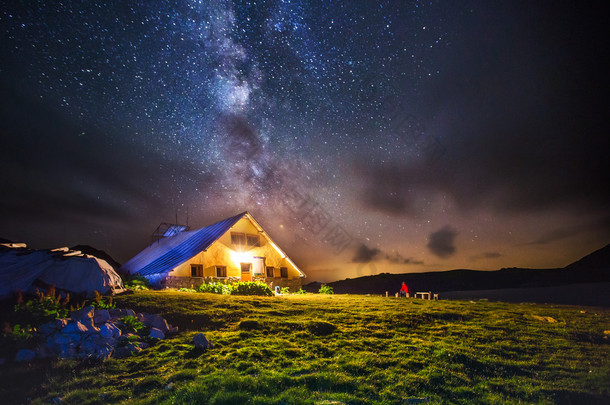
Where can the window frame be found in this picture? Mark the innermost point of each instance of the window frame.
(196, 270)
(270, 274)
(283, 272)
(257, 241)
(239, 238)
(223, 270)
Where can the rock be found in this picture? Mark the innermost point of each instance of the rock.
(83, 315)
(74, 327)
(201, 342)
(117, 313)
(50, 327)
(130, 312)
(173, 330)
(101, 316)
(25, 355)
(156, 334)
(140, 316)
(156, 321)
(127, 350)
(169, 386)
(110, 330)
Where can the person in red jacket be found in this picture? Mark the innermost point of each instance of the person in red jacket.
(404, 290)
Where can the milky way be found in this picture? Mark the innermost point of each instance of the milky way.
(387, 122)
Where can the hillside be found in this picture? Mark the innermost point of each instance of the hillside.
(316, 349)
(594, 267)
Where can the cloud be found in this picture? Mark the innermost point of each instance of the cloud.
(602, 226)
(486, 255)
(397, 258)
(365, 254)
(441, 242)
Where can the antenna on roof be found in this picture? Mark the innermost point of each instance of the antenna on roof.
(187, 215)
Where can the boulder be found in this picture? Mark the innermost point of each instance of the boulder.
(156, 334)
(74, 327)
(83, 315)
(201, 342)
(25, 355)
(101, 316)
(156, 321)
(110, 330)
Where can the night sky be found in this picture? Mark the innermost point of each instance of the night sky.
(365, 136)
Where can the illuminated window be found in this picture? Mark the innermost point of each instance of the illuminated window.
(196, 270)
(221, 271)
(269, 271)
(253, 240)
(284, 272)
(238, 238)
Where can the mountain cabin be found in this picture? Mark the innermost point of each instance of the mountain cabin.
(234, 249)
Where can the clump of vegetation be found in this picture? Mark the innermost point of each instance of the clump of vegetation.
(184, 289)
(284, 290)
(238, 288)
(251, 288)
(136, 283)
(130, 324)
(215, 287)
(301, 291)
(99, 302)
(44, 307)
(325, 289)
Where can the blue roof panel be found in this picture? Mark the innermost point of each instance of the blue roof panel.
(167, 253)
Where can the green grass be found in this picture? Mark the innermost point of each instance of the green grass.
(325, 349)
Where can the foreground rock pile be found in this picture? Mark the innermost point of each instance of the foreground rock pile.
(97, 333)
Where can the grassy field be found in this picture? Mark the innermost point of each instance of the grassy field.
(340, 349)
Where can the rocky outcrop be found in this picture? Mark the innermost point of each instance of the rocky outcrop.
(98, 334)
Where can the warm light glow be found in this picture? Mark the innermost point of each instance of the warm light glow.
(240, 257)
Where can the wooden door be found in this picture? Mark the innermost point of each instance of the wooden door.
(246, 271)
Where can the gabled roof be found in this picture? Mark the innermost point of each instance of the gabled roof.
(167, 253)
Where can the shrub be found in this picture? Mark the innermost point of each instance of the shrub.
(251, 288)
(325, 289)
(45, 307)
(285, 290)
(183, 289)
(130, 324)
(100, 303)
(136, 283)
(215, 287)
(301, 291)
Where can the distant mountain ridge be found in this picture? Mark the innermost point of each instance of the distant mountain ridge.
(594, 267)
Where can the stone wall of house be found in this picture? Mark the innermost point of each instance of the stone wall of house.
(293, 283)
(182, 282)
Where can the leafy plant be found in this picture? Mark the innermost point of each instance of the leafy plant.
(184, 289)
(136, 283)
(251, 288)
(215, 287)
(301, 291)
(285, 290)
(100, 303)
(44, 307)
(18, 333)
(325, 289)
(130, 324)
